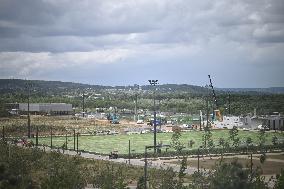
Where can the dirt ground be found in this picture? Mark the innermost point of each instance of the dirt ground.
(272, 165)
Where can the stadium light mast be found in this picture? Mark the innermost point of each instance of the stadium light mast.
(29, 118)
(83, 102)
(154, 83)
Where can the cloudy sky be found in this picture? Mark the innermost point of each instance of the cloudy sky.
(122, 42)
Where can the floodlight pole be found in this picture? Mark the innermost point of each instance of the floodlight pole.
(51, 138)
(66, 142)
(74, 137)
(37, 136)
(198, 159)
(77, 143)
(145, 169)
(83, 103)
(29, 118)
(229, 104)
(154, 83)
(129, 152)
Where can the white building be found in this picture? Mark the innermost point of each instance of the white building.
(45, 108)
(228, 122)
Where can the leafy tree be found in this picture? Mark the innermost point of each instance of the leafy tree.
(229, 176)
(168, 179)
(233, 136)
(176, 143)
(248, 141)
(141, 183)
(261, 138)
(110, 178)
(274, 140)
(63, 174)
(182, 173)
(279, 180)
(191, 143)
(207, 137)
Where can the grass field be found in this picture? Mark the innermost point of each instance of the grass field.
(108, 143)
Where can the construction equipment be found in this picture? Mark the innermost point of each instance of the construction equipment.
(113, 118)
(216, 113)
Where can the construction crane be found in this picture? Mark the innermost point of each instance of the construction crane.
(216, 112)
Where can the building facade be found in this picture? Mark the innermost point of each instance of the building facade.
(274, 122)
(43, 108)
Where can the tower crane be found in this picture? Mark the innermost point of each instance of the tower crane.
(216, 109)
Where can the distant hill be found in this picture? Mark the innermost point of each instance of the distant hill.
(59, 87)
(40, 86)
(271, 90)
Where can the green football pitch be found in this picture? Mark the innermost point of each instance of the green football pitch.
(107, 143)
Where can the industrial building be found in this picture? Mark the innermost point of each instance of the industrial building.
(41, 108)
(274, 122)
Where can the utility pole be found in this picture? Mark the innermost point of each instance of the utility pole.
(51, 137)
(129, 152)
(29, 118)
(77, 143)
(207, 112)
(135, 108)
(154, 83)
(66, 142)
(229, 104)
(198, 159)
(83, 103)
(145, 169)
(74, 135)
(36, 135)
(251, 163)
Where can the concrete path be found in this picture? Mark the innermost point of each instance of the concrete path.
(157, 163)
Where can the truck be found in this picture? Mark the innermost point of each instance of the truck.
(158, 123)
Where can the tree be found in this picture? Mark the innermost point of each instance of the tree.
(207, 137)
(274, 140)
(191, 143)
(175, 143)
(168, 179)
(229, 176)
(182, 173)
(261, 138)
(233, 136)
(279, 180)
(248, 143)
(141, 183)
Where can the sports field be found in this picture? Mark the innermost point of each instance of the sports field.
(107, 143)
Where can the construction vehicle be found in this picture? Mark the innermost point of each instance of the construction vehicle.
(113, 118)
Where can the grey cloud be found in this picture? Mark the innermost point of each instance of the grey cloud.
(156, 21)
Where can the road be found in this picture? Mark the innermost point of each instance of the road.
(152, 163)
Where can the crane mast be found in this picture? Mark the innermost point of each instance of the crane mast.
(213, 92)
(216, 112)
